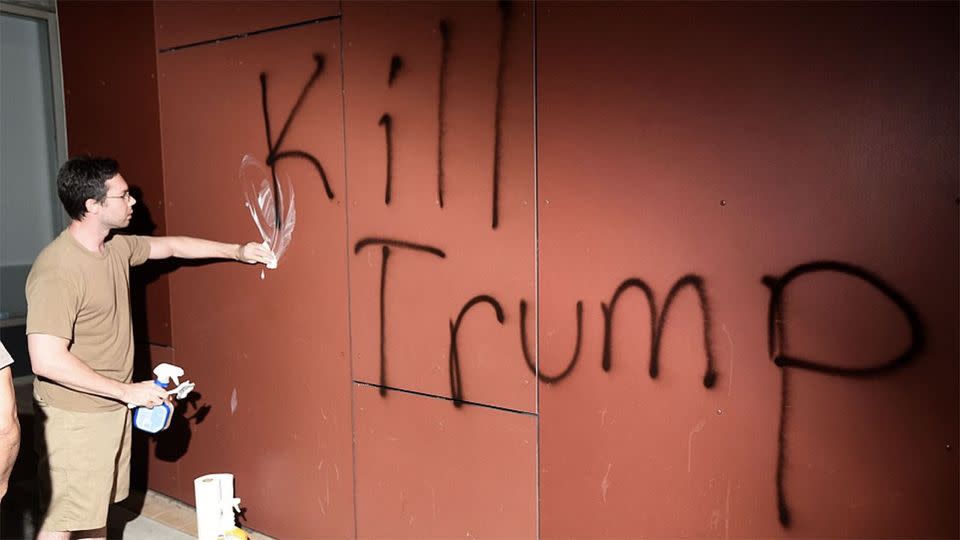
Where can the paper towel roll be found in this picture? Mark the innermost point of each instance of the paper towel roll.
(211, 491)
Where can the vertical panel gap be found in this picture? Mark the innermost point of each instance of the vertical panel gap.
(346, 241)
(536, 248)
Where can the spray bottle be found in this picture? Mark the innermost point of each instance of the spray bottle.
(157, 419)
(228, 523)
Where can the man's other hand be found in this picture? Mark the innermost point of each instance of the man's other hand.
(144, 394)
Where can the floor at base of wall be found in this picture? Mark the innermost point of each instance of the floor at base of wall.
(159, 518)
(179, 520)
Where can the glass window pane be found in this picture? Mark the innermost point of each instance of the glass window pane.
(29, 217)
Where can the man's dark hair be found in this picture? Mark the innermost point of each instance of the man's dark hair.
(82, 178)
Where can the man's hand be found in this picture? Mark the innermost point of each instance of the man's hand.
(253, 252)
(143, 394)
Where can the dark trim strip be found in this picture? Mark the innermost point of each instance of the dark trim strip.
(249, 34)
(445, 398)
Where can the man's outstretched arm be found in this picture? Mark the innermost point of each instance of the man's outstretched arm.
(184, 247)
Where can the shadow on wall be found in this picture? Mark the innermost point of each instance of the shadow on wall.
(173, 443)
(141, 277)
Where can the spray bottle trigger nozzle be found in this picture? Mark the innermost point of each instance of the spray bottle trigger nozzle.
(166, 372)
(182, 389)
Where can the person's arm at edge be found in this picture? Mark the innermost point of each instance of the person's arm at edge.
(9, 428)
(185, 247)
(50, 358)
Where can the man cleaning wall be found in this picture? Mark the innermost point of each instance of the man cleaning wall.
(80, 339)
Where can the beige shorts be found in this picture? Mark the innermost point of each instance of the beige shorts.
(84, 465)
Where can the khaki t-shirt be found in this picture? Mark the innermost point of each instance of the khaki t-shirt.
(84, 296)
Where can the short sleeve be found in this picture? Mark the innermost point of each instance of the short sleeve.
(52, 307)
(136, 249)
(139, 250)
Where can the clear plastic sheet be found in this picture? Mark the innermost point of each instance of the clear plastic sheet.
(271, 205)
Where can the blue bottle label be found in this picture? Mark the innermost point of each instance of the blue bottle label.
(152, 420)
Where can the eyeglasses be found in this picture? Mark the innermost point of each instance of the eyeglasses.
(127, 197)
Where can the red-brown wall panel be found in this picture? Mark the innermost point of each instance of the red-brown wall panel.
(426, 469)
(727, 143)
(183, 22)
(109, 75)
(425, 292)
(267, 348)
(695, 147)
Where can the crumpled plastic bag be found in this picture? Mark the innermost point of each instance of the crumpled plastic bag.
(267, 201)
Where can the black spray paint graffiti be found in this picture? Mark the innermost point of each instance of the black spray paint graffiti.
(776, 335)
(274, 155)
(386, 121)
(526, 353)
(505, 8)
(387, 124)
(657, 325)
(396, 64)
(776, 320)
(386, 244)
(442, 105)
(456, 382)
(777, 343)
